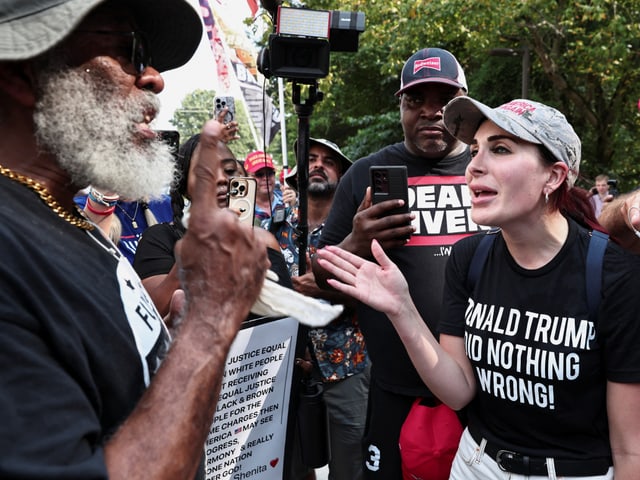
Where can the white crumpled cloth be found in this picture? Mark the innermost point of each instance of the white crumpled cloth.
(276, 300)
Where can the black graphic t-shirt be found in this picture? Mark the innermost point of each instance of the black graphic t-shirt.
(540, 363)
(155, 254)
(439, 198)
(79, 342)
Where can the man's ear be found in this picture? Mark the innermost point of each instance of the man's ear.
(17, 82)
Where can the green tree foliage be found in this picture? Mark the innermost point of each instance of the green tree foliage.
(197, 107)
(585, 60)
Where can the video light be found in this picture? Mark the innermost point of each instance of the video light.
(300, 47)
(303, 22)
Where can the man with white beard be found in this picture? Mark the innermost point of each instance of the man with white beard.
(65, 118)
(89, 388)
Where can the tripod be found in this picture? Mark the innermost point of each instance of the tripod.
(304, 111)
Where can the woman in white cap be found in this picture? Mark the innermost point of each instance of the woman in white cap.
(545, 360)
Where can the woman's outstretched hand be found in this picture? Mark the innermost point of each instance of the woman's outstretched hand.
(380, 285)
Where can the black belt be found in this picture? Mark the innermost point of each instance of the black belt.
(524, 465)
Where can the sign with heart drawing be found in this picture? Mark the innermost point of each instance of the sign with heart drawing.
(249, 433)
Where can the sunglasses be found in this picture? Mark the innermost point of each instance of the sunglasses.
(263, 174)
(140, 51)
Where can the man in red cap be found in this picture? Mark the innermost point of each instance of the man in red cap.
(419, 242)
(259, 165)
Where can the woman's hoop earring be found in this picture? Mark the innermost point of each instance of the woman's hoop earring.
(546, 198)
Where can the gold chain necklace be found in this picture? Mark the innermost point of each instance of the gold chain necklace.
(47, 198)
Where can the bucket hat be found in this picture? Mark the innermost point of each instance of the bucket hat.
(291, 178)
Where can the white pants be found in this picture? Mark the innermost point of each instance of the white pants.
(471, 463)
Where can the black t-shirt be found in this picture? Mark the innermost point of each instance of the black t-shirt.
(155, 256)
(79, 342)
(439, 197)
(540, 363)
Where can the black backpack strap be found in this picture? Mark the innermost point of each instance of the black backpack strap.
(595, 256)
(480, 257)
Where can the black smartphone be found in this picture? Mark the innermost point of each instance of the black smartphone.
(220, 103)
(389, 182)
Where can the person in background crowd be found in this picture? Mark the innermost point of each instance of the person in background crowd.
(99, 208)
(124, 221)
(552, 383)
(155, 260)
(89, 387)
(600, 193)
(289, 194)
(268, 196)
(338, 350)
(435, 161)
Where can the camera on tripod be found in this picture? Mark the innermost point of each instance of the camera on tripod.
(300, 48)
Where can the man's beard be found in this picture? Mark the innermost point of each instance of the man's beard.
(91, 130)
(321, 189)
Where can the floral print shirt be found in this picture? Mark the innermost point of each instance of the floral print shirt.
(338, 348)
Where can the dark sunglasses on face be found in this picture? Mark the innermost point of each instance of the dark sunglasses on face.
(262, 174)
(140, 51)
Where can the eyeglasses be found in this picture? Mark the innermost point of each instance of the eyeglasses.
(140, 51)
(262, 174)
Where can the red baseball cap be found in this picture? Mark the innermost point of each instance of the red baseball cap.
(428, 441)
(258, 160)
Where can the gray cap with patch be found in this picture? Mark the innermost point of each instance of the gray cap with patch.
(525, 119)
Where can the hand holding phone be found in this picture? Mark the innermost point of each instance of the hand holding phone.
(390, 183)
(220, 103)
(242, 198)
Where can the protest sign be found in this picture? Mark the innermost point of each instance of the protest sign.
(250, 428)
